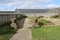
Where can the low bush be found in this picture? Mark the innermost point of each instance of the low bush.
(5, 28)
(5, 24)
(37, 17)
(21, 17)
(40, 17)
(40, 24)
(6, 31)
(56, 16)
(43, 22)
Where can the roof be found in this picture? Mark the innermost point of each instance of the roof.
(6, 11)
(31, 10)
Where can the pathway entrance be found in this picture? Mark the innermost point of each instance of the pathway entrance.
(24, 33)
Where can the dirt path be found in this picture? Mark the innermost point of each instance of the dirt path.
(56, 21)
(24, 33)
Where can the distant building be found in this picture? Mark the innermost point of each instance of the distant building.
(34, 12)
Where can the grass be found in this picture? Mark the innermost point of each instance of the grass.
(46, 33)
(5, 36)
(44, 21)
(6, 31)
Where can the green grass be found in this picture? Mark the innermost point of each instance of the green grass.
(5, 36)
(46, 33)
(44, 21)
(6, 31)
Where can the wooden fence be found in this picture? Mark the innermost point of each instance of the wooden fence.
(7, 17)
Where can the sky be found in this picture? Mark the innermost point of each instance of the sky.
(11, 5)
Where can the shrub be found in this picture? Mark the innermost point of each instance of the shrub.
(5, 24)
(56, 16)
(21, 17)
(40, 24)
(5, 28)
(38, 17)
(43, 22)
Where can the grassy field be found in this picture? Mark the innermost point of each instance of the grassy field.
(46, 33)
(5, 36)
(6, 31)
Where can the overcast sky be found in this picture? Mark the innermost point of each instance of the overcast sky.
(7, 5)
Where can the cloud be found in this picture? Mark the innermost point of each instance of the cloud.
(12, 4)
(31, 3)
(52, 6)
(23, 2)
(7, 8)
(7, 4)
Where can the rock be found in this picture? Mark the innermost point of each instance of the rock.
(13, 24)
(35, 25)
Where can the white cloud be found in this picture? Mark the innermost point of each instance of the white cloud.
(7, 9)
(52, 6)
(7, 4)
(31, 3)
(23, 3)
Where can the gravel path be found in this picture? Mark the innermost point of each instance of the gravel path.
(24, 33)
